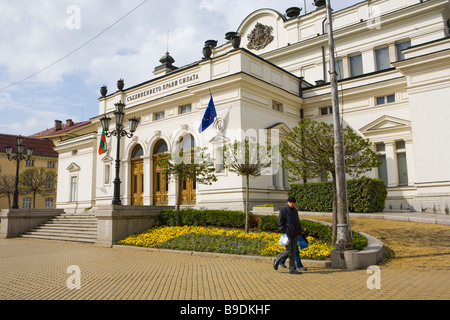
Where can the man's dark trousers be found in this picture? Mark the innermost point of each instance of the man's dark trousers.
(289, 252)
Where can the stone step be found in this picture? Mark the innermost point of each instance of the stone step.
(58, 238)
(62, 233)
(45, 229)
(75, 228)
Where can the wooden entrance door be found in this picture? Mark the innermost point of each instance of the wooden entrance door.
(160, 186)
(137, 183)
(188, 192)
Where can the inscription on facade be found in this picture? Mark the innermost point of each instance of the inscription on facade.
(163, 87)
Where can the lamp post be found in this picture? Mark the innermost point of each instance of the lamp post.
(19, 156)
(119, 132)
(344, 241)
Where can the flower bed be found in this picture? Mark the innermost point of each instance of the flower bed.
(204, 239)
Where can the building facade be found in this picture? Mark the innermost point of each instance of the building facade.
(44, 156)
(393, 61)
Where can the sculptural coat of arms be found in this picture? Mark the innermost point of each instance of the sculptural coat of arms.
(260, 37)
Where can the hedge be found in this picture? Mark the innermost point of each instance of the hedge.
(216, 218)
(364, 195)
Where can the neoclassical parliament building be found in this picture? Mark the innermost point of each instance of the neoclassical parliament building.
(393, 62)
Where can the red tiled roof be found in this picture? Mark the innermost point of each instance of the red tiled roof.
(64, 129)
(42, 147)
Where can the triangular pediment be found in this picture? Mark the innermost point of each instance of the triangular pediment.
(282, 128)
(73, 167)
(385, 124)
(219, 140)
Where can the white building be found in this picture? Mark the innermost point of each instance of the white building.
(394, 60)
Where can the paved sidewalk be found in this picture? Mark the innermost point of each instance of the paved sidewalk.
(37, 270)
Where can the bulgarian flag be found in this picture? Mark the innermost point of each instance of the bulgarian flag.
(102, 148)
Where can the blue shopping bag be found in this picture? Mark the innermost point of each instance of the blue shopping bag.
(302, 243)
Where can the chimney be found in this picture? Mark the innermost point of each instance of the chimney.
(69, 123)
(58, 125)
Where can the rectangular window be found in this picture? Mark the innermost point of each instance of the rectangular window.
(326, 111)
(73, 189)
(385, 99)
(402, 169)
(339, 69)
(107, 174)
(30, 163)
(285, 177)
(402, 164)
(356, 65)
(159, 116)
(50, 184)
(49, 203)
(51, 164)
(185, 109)
(26, 203)
(219, 160)
(382, 170)
(402, 46)
(383, 60)
(277, 106)
(381, 147)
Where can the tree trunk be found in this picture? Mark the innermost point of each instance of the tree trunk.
(34, 199)
(180, 183)
(247, 196)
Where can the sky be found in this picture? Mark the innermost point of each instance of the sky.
(56, 54)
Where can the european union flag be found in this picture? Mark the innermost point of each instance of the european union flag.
(209, 117)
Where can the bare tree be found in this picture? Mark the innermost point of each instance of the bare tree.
(37, 180)
(246, 158)
(7, 186)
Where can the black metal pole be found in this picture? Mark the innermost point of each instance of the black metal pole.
(16, 184)
(116, 199)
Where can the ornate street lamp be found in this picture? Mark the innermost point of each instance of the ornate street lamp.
(119, 132)
(19, 156)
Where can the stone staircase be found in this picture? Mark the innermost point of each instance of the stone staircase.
(67, 227)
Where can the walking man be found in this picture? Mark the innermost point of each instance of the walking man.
(289, 224)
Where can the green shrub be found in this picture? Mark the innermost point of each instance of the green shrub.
(313, 196)
(268, 223)
(364, 195)
(216, 218)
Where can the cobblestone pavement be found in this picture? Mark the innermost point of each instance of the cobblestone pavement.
(38, 270)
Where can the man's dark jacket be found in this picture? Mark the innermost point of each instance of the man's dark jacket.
(288, 222)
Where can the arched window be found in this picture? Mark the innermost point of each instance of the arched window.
(137, 152)
(161, 147)
(185, 143)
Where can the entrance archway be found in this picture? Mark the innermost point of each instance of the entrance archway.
(188, 187)
(160, 186)
(137, 177)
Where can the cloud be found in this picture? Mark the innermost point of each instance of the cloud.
(36, 34)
